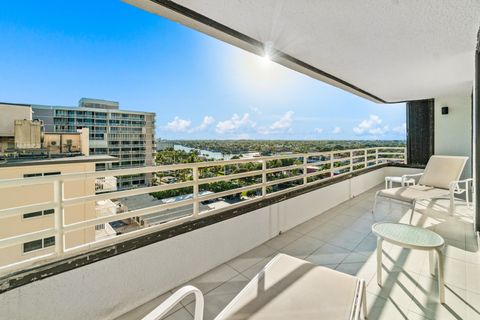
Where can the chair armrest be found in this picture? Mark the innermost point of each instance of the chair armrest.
(464, 180)
(174, 299)
(454, 186)
(405, 177)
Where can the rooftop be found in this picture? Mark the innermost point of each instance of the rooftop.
(60, 159)
(90, 109)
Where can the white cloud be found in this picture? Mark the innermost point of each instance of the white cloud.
(178, 125)
(284, 122)
(234, 123)
(402, 129)
(336, 130)
(318, 130)
(281, 125)
(368, 124)
(379, 130)
(207, 121)
(371, 126)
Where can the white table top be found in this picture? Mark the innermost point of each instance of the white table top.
(409, 236)
(399, 179)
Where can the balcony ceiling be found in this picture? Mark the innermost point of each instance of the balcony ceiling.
(385, 51)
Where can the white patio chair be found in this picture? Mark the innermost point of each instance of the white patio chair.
(287, 288)
(439, 180)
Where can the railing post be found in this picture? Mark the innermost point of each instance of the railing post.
(264, 178)
(376, 156)
(196, 204)
(365, 158)
(405, 155)
(351, 161)
(331, 164)
(58, 192)
(305, 158)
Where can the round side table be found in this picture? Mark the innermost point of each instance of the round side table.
(412, 237)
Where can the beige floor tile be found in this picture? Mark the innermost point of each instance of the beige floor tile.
(368, 245)
(210, 280)
(217, 299)
(255, 269)
(397, 287)
(473, 305)
(181, 314)
(328, 254)
(144, 309)
(302, 247)
(283, 239)
(350, 268)
(251, 258)
(473, 277)
(325, 231)
(347, 239)
(426, 299)
(306, 227)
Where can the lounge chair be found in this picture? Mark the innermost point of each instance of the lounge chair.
(439, 180)
(287, 288)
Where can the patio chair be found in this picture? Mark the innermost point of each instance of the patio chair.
(287, 288)
(439, 180)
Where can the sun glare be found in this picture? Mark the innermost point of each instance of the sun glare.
(266, 59)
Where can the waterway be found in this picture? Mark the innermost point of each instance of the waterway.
(214, 154)
(209, 154)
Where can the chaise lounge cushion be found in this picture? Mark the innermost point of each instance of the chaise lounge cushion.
(294, 289)
(411, 193)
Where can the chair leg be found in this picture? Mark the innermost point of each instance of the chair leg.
(451, 209)
(467, 196)
(413, 211)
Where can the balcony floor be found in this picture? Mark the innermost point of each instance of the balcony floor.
(341, 239)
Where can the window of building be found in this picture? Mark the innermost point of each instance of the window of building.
(55, 173)
(31, 175)
(38, 244)
(48, 242)
(38, 213)
(41, 174)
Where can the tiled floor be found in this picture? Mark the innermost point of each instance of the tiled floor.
(341, 239)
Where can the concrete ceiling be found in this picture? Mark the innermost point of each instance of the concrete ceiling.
(385, 51)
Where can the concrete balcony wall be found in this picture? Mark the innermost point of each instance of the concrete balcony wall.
(453, 131)
(110, 287)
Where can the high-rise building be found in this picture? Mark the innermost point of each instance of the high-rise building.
(26, 151)
(127, 135)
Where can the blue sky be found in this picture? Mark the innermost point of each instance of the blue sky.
(55, 52)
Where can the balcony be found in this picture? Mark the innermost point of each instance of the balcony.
(341, 238)
(324, 217)
(110, 264)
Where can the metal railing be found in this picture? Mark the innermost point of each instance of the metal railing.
(303, 169)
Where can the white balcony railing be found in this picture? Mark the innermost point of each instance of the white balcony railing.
(329, 165)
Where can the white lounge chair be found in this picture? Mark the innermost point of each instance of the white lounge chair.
(439, 180)
(287, 288)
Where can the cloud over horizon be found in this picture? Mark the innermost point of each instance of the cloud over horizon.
(235, 123)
